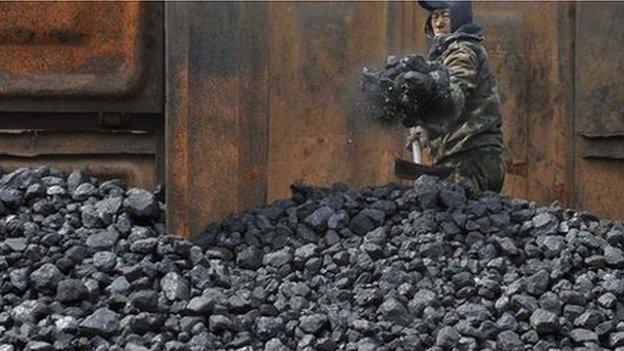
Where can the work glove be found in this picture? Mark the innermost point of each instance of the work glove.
(424, 95)
(419, 82)
(416, 62)
(405, 89)
(441, 79)
(381, 96)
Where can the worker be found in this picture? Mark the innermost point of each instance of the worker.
(468, 137)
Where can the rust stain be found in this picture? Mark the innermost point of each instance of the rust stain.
(601, 189)
(316, 49)
(33, 142)
(69, 48)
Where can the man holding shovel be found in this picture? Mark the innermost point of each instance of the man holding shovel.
(465, 140)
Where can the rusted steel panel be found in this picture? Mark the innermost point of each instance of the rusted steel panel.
(81, 56)
(262, 94)
(213, 112)
(80, 141)
(315, 133)
(599, 111)
(599, 62)
(252, 57)
(601, 188)
(216, 111)
(35, 142)
(528, 53)
(242, 127)
(177, 117)
(503, 26)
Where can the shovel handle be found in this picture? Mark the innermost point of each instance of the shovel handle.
(416, 151)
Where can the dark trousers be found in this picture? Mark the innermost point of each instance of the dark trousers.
(479, 170)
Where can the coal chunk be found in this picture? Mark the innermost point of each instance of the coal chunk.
(361, 224)
(77, 178)
(46, 277)
(269, 327)
(71, 290)
(102, 240)
(581, 336)
(509, 341)
(250, 258)
(175, 287)
(201, 304)
(145, 300)
(392, 310)
(428, 267)
(447, 337)
(102, 322)
(141, 203)
(545, 322)
(314, 323)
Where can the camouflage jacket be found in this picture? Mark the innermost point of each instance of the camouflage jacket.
(475, 121)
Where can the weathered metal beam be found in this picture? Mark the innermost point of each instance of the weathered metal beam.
(39, 142)
(216, 111)
(177, 36)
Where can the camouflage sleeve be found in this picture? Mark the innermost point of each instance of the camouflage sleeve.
(462, 62)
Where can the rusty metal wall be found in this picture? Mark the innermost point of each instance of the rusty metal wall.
(559, 71)
(261, 94)
(599, 96)
(216, 110)
(132, 152)
(81, 85)
(316, 133)
(530, 49)
(81, 56)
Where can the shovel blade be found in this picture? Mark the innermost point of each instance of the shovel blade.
(410, 170)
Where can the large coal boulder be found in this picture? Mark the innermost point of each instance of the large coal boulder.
(88, 266)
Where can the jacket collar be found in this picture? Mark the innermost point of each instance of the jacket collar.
(470, 31)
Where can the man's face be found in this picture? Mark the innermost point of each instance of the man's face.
(441, 22)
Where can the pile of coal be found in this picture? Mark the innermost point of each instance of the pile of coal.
(87, 266)
(405, 89)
